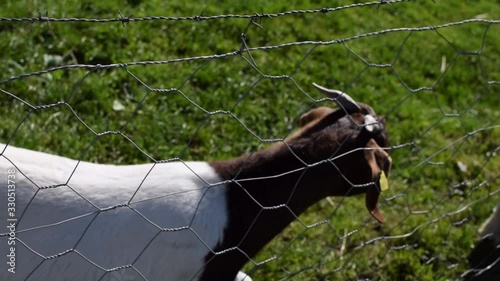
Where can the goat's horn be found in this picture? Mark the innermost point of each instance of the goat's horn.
(341, 98)
(371, 128)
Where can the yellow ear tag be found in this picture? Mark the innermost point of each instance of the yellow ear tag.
(383, 182)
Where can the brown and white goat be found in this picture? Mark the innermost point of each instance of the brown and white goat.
(185, 220)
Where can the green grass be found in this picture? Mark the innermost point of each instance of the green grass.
(429, 195)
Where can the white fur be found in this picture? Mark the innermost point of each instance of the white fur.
(169, 195)
(242, 277)
(492, 225)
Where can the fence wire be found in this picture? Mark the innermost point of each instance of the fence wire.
(127, 19)
(405, 235)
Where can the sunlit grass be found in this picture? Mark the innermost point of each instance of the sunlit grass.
(167, 110)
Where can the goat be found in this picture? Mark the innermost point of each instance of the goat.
(187, 220)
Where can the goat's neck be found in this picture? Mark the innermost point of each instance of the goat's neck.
(278, 181)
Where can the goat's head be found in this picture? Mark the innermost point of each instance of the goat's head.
(353, 139)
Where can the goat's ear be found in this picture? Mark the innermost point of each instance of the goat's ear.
(380, 164)
(314, 115)
(373, 129)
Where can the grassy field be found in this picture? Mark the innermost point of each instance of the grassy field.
(435, 87)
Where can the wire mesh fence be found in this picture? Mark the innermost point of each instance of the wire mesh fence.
(168, 90)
